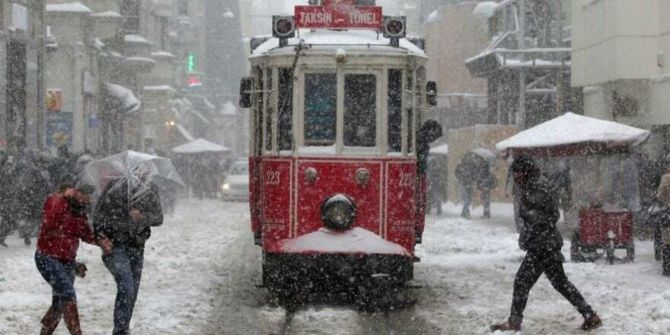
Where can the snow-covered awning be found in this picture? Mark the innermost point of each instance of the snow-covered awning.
(572, 134)
(73, 7)
(442, 149)
(184, 132)
(127, 99)
(200, 145)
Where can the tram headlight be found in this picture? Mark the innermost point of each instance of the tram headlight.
(338, 212)
(225, 186)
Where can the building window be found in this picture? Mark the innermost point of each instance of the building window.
(625, 106)
(130, 9)
(182, 8)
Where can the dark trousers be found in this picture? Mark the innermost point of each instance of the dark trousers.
(125, 263)
(549, 262)
(665, 259)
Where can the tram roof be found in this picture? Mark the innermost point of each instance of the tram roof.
(334, 40)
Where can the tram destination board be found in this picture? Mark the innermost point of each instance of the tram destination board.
(339, 17)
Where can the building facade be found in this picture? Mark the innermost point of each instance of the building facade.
(452, 35)
(527, 63)
(620, 59)
(22, 49)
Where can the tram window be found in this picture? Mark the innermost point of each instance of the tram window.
(285, 109)
(360, 107)
(258, 110)
(395, 110)
(410, 118)
(269, 112)
(320, 108)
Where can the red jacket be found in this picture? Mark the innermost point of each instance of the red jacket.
(62, 229)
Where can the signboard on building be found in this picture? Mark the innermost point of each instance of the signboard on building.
(19, 17)
(54, 102)
(338, 17)
(59, 129)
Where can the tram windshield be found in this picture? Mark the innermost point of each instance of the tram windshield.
(320, 108)
(360, 105)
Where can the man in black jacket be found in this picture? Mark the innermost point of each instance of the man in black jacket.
(542, 243)
(126, 211)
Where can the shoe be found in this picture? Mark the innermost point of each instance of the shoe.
(26, 240)
(591, 322)
(506, 326)
(465, 216)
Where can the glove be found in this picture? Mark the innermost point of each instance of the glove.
(80, 269)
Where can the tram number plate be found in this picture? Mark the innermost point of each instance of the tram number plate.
(406, 179)
(272, 177)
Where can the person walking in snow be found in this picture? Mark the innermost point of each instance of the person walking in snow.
(466, 173)
(128, 225)
(64, 223)
(542, 243)
(663, 196)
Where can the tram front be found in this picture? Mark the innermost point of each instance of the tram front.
(333, 115)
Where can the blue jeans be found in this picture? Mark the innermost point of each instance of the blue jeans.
(60, 275)
(125, 264)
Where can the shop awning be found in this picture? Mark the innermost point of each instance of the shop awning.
(124, 96)
(200, 145)
(572, 134)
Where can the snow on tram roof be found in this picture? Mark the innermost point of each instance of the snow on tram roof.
(327, 38)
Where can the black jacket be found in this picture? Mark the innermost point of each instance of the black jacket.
(538, 208)
(112, 215)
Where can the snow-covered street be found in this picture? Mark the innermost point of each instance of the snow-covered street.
(201, 272)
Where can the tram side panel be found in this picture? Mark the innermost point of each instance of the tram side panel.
(277, 202)
(400, 204)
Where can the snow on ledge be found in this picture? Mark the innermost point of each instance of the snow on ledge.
(485, 9)
(356, 240)
(74, 7)
(108, 14)
(134, 38)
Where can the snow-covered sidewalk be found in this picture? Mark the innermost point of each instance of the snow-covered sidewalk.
(179, 273)
(470, 266)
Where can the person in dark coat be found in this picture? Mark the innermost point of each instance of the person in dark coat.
(64, 224)
(35, 186)
(486, 182)
(7, 198)
(542, 243)
(126, 216)
(466, 173)
(430, 131)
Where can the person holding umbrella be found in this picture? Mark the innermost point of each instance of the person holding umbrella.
(127, 209)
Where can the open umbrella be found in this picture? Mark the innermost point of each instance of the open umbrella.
(485, 154)
(133, 170)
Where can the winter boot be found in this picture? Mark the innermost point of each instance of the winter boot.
(507, 326)
(71, 317)
(50, 321)
(591, 321)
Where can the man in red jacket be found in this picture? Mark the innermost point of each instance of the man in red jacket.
(64, 223)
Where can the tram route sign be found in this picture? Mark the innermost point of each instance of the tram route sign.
(339, 17)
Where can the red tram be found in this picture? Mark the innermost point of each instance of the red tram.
(333, 167)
